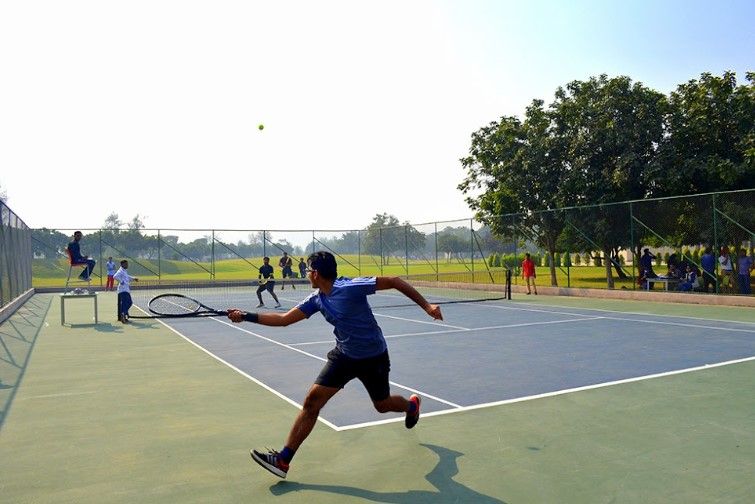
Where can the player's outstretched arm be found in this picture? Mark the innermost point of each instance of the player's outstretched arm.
(407, 290)
(267, 318)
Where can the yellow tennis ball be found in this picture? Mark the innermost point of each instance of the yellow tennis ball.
(261, 127)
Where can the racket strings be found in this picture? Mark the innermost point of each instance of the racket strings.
(173, 305)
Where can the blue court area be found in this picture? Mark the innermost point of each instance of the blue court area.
(483, 353)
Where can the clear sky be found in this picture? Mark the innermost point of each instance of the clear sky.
(151, 107)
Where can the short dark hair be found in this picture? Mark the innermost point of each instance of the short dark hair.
(124, 261)
(324, 263)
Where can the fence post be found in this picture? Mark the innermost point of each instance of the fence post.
(716, 245)
(471, 245)
(437, 267)
(406, 248)
(631, 246)
(99, 239)
(380, 237)
(159, 255)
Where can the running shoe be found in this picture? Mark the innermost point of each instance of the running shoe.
(271, 461)
(412, 418)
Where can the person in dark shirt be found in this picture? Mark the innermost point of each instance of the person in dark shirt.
(74, 251)
(708, 262)
(267, 282)
(286, 264)
(302, 268)
(646, 267)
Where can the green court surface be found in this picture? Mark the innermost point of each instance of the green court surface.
(109, 413)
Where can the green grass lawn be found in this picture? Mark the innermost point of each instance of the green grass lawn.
(53, 273)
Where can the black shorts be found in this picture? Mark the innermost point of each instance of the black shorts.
(372, 372)
(268, 286)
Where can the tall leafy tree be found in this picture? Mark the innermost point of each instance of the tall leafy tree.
(386, 236)
(710, 140)
(609, 130)
(516, 167)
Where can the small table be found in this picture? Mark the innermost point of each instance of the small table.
(664, 280)
(64, 297)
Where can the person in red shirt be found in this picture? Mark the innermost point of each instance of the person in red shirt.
(528, 273)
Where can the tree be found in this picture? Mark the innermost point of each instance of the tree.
(385, 236)
(112, 222)
(516, 167)
(3, 194)
(450, 244)
(611, 129)
(710, 140)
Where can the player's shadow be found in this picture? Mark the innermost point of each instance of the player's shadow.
(441, 477)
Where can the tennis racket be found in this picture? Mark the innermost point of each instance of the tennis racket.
(177, 305)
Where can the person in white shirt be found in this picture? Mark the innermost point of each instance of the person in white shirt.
(727, 273)
(124, 291)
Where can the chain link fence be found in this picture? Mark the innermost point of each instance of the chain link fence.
(15, 257)
(595, 246)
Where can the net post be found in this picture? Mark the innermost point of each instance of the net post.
(508, 284)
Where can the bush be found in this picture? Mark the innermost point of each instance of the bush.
(598, 259)
(665, 257)
(586, 258)
(567, 260)
(577, 260)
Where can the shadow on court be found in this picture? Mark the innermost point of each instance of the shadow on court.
(441, 477)
(18, 335)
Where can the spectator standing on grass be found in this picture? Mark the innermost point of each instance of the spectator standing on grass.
(646, 266)
(528, 273)
(110, 267)
(744, 267)
(708, 262)
(727, 270)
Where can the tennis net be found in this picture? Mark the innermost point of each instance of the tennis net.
(441, 288)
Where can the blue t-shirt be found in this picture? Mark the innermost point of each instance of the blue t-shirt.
(708, 262)
(346, 308)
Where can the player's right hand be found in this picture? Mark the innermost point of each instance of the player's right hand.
(236, 315)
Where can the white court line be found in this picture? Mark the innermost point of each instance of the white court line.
(322, 359)
(61, 394)
(455, 407)
(270, 389)
(603, 310)
(551, 394)
(451, 331)
(646, 321)
(418, 321)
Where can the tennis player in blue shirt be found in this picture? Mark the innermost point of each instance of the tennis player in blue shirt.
(360, 351)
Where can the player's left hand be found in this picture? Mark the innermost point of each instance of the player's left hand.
(434, 311)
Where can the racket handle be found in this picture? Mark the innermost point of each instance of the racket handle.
(251, 317)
